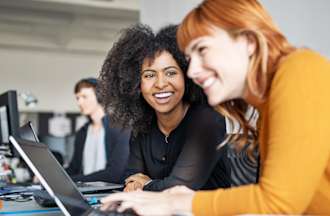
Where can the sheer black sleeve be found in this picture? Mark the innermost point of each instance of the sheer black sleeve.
(200, 162)
(135, 161)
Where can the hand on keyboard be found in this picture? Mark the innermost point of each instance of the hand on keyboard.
(128, 212)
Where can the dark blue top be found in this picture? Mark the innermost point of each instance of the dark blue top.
(116, 148)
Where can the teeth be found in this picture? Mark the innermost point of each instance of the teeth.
(208, 82)
(163, 94)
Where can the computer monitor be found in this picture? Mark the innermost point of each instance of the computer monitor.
(9, 118)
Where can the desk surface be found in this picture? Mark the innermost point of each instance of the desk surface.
(27, 208)
(30, 208)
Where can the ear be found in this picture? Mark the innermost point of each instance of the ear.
(252, 43)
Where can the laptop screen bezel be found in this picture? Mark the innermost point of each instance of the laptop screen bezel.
(15, 141)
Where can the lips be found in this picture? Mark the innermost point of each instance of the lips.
(163, 97)
(208, 82)
(205, 83)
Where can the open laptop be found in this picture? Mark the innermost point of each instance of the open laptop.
(54, 178)
(27, 132)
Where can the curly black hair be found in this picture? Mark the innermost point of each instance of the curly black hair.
(120, 75)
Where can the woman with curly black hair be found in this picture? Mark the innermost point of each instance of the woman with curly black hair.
(174, 133)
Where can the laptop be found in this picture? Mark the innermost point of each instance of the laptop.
(27, 132)
(54, 178)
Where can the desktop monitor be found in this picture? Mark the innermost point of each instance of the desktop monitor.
(9, 118)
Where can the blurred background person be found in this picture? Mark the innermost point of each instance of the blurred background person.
(100, 149)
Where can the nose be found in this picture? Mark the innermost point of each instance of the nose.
(194, 68)
(161, 81)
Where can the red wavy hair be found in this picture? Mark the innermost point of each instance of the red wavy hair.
(240, 17)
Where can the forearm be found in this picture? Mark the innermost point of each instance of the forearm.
(243, 200)
(102, 175)
(163, 184)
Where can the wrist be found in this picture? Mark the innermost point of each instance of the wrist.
(147, 183)
(182, 204)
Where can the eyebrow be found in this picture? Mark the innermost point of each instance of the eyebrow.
(148, 70)
(169, 67)
(164, 69)
(195, 45)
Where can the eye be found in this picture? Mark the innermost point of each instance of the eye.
(170, 73)
(202, 50)
(148, 75)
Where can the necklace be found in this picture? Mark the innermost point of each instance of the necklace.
(184, 114)
(166, 138)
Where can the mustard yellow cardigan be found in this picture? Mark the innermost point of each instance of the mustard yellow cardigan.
(294, 146)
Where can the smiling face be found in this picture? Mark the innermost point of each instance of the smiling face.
(162, 83)
(219, 64)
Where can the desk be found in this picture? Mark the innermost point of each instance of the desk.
(31, 208)
(27, 208)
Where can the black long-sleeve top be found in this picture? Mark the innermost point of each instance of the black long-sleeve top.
(188, 156)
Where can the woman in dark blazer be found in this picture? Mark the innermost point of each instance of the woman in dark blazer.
(101, 149)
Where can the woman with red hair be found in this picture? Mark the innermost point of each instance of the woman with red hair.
(240, 58)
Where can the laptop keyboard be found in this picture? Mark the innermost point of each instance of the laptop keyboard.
(96, 212)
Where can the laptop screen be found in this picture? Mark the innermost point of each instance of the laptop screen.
(54, 175)
(27, 132)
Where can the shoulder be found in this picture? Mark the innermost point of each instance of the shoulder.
(303, 62)
(205, 113)
(299, 86)
(206, 127)
(305, 54)
(139, 138)
(112, 126)
(83, 129)
(204, 117)
(303, 71)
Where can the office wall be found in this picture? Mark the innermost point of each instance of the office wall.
(304, 22)
(158, 13)
(46, 48)
(46, 52)
(49, 75)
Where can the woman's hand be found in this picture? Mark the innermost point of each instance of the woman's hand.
(133, 186)
(136, 181)
(177, 200)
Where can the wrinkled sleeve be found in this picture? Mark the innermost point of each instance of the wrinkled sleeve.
(199, 155)
(135, 161)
